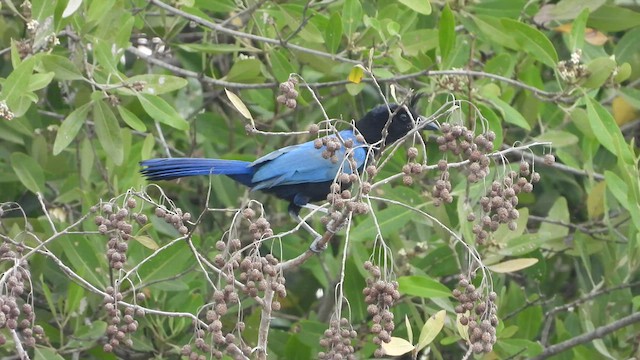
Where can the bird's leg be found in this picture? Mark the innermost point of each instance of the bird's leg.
(313, 207)
(316, 236)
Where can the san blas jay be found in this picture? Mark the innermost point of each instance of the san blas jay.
(299, 173)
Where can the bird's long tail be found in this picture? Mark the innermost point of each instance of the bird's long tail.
(173, 168)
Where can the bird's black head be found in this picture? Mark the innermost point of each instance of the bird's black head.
(373, 123)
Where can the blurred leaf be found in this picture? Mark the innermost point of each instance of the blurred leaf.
(390, 220)
(282, 65)
(245, 71)
(578, 30)
(494, 31)
(238, 104)
(533, 42)
(397, 346)
(446, 31)
(607, 131)
(86, 335)
(29, 172)
(146, 241)
(519, 347)
(422, 286)
(351, 17)
(211, 48)
(75, 294)
(407, 323)
(613, 18)
(595, 200)
(558, 215)
(43, 353)
(628, 46)
(154, 84)
(623, 112)
(16, 85)
(420, 6)
(70, 127)
(108, 131)
(72, 7)
(356, 74)
(161, 111)
(559, 138)
(514, 265)
(61, 66)
(40, 81)
(463, 330)
(600, 70)
(431, 329)
(333, 33)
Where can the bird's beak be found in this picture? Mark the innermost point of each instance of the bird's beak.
(430, 124)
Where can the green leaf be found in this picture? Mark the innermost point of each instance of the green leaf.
(577, 30)
(245, 71)
(613, 18)
(161, 111)
(146, 241)
(558, 138)
(281, 64)
(494, 31)
(70, 127)
(210, 48)
(155, 84)
(29, 172)
(419, 6)
(431, 329)
(333, 33)
(43, 353)
(600, 69)
(390, 220)
(422, 286)
(61, 66)
(533, 42)
(351, 17)
(75, 293)
(509, 114)
(108, 131)
(628, 46)
(607, 131)
(131, 119)
(447, 32)
(16, 84)
(40, 81)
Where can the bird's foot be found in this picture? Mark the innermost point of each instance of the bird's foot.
(315, 247)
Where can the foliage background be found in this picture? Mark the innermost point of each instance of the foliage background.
(71, 72)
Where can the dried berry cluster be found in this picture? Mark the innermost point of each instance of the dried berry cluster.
(221, 298)
(288, 93)
(412, 167)
(442, 189)
(10, 315)
(461, 141)
(331, 145)
(116, 223)
(13, 286)
(119, 326)
(5, 112)
(337, 340)
(176, 218)
(478, 314)
(380, 295)
(499, 204)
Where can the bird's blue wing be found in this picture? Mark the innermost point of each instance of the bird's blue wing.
(303, 163)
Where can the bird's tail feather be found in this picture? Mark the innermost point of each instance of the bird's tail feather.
(173, 168)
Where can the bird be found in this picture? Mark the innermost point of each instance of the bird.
(300, 174)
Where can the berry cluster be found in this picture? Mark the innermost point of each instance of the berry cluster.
(453, 83)
(412, 167)
(478, 313)
(176, 218)
(116, 223)
(119, 326)
(499, 204)
(442, 189)
(331, 145)
(573, 70)
(380, 295)
(288, 93)
(337, 340)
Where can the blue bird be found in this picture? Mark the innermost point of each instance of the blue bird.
(298, 173)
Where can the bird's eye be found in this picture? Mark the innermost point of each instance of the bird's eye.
(404, 117)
